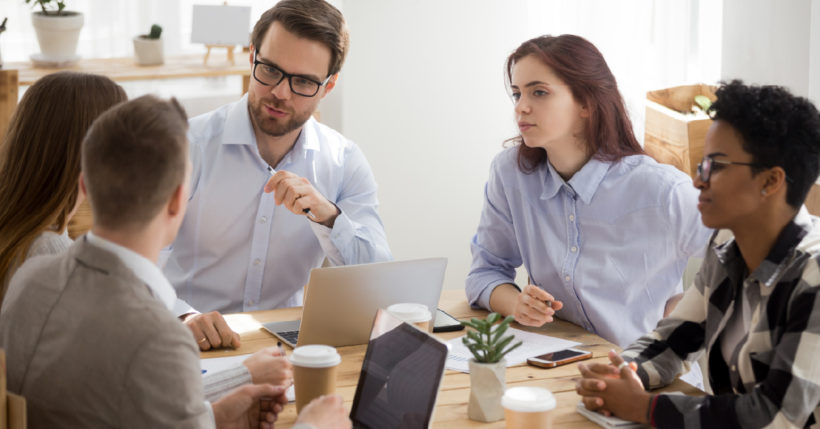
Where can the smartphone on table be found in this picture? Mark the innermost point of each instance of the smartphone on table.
(551, 360)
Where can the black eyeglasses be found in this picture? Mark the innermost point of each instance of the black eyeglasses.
(705, 166)
(270, 75)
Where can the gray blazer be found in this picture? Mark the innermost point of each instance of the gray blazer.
(88, 345)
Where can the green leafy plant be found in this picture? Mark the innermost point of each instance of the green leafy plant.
(155, 32)
(48, 6)
(703, 102)
(488, 343)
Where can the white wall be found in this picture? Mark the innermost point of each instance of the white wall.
(424, 97)
(814, 62)
(770, 42)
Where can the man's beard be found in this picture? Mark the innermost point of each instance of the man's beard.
(272, 126)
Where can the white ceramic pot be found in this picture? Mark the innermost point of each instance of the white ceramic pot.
(487, 384)
(58, 35)
(148, 52)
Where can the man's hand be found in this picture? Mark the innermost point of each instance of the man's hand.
(270, 366)
(326, 412)
(298, 196)
(250, 406)
(531, 309)
(615, 391)
(211, 331)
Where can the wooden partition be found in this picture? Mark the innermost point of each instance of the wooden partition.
(8, 97)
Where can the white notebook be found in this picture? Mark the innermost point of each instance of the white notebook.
(607, 422)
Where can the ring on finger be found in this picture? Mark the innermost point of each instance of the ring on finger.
(622, 365)
(202, 340)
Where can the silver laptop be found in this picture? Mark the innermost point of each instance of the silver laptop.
(341, 302)
(400, 378)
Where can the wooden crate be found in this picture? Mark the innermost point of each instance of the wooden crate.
(674, 136)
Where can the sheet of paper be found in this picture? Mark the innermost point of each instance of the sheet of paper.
(218, 364)
(607, 422)
(534, 345)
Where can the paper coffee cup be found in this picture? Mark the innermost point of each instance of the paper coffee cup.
(314, 372)
(528, 407)
(410, 312)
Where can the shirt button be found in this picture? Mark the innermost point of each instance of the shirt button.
(257, 261)
(263, 219)
(567, 278)
(571, 217)
(573, 249)
(734, 368)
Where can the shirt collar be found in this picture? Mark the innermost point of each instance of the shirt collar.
(584, 182)
(238, 127)
(144, 269)
(239, 130)
(779, 256)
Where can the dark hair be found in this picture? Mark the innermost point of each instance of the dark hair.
(309, 19)
(582, 67)
(777, 129)
(40, 157)
(134, 158)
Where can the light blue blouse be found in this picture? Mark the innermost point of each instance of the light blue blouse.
(611, 243)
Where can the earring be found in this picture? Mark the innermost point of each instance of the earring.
(763, 192)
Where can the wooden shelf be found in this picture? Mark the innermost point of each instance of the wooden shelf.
(125, 69)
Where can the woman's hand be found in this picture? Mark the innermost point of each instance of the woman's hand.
(535, 306)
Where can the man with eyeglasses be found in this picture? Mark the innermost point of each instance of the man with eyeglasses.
(273, 191)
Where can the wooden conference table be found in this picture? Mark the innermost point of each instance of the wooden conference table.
(451, 406)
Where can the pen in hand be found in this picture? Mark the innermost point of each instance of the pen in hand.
(305, 210)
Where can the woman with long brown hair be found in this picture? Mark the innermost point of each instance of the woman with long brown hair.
(40, 164)
(603, 230)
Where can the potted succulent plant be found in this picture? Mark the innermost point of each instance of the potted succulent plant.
(58, 31)
(148, 47)
(488, 345)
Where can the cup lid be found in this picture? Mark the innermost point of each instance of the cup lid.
(315, 356)
(528, 399)
(410, 312)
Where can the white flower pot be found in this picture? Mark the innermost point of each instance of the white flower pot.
(58, 35)
(487, 384)
(148, 52)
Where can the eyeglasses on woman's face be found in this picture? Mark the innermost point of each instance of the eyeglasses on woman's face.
(709, 164)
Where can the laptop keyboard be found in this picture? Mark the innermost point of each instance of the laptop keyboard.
(290, 336)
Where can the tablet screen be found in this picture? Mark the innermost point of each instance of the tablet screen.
(400, 377)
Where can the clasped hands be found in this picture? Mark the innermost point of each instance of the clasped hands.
(299, 196)
(614, 389)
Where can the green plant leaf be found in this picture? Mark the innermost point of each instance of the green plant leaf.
(504, 353)
(703, 102)
(492, 318)
(499, 331)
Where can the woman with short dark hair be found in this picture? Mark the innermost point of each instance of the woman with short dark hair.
(754, 310)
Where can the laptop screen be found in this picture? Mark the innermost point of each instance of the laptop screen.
(400, 378)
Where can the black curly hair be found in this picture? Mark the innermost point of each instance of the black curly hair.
(778, 129)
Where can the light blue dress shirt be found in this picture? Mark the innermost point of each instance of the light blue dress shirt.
(236, 249)
(611, 244)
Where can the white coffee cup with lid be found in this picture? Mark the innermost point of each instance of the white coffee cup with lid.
(410, 312)
(528, 407)
(314, 372)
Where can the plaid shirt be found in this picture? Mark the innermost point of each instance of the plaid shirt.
(774, 378)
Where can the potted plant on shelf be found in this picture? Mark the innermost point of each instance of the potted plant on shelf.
(488, 345)
(58, 31)
(148, 47)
